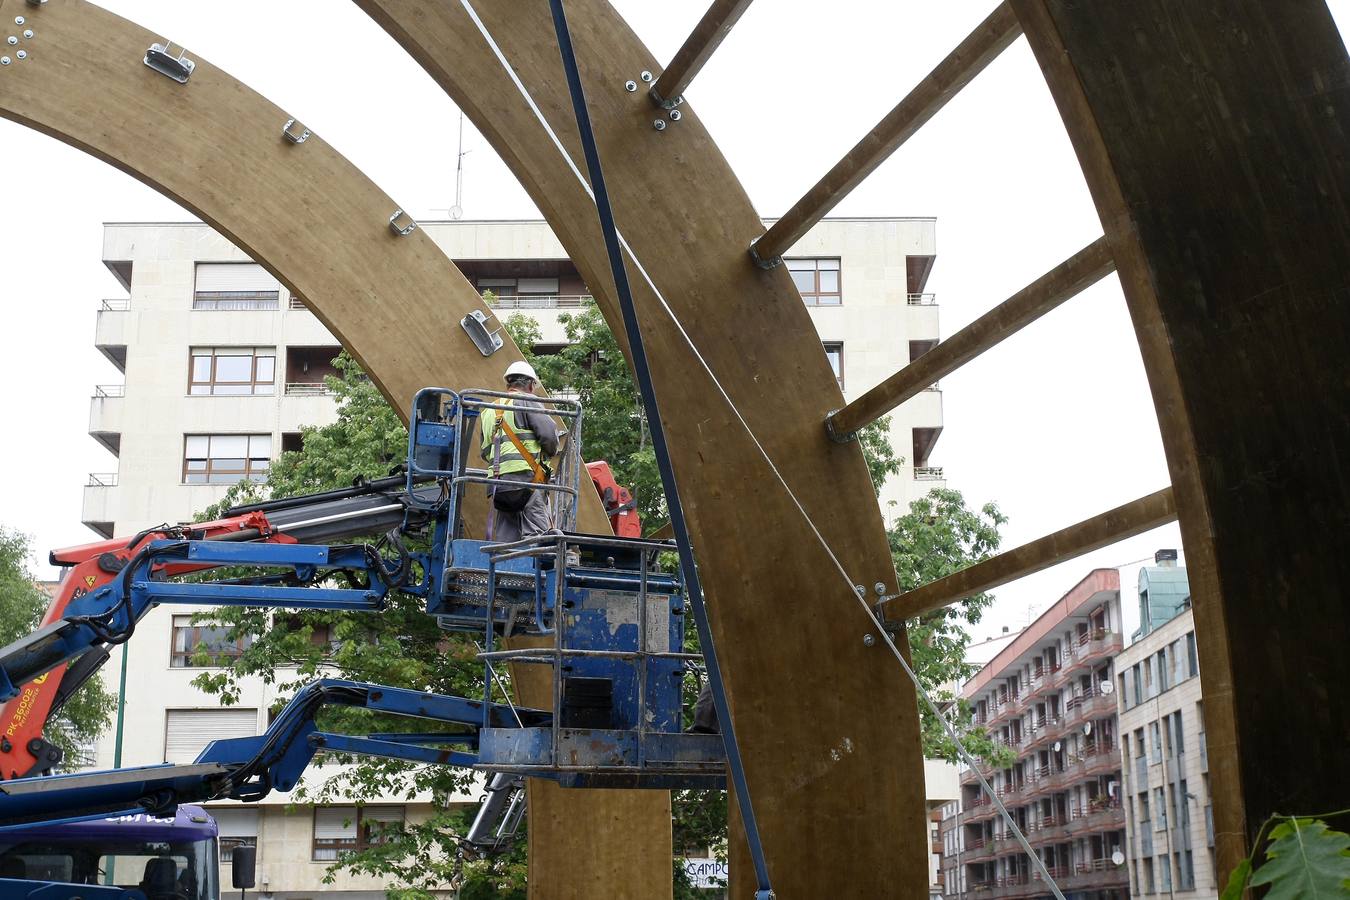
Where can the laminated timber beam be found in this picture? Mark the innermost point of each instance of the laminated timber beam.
(817, 748)
(1102, 530)
(969, 59)
(322, 228)
(697, 49)
(1212, 137)
(1077, 273)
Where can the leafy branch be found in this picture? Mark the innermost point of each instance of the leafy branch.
(1305, 859)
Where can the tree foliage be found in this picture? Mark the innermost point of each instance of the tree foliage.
(1305, 859)
(89, 711)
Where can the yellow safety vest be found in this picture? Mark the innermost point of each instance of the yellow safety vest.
(509, 460)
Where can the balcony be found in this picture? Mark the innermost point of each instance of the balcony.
(307, 389)
(1095, 645)
(97, 511)
(1095, 817)
(928, 299)
(105, 416)
(1096, 874)
(1090, 705)
(539, 301)
(110, 331)
(928, 473)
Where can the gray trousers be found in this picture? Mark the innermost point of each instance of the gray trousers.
(533, 519)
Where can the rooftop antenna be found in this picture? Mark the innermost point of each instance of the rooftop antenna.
(457, 211)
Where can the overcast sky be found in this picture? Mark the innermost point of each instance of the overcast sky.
(1054, 426)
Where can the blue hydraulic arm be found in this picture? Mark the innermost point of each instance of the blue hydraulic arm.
(249, 768)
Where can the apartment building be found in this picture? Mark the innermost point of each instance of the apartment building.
(1049, 697)
(1170, 821)
(223, 369)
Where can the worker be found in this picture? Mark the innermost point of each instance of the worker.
(517, 444)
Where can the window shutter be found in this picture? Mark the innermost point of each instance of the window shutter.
(234, 278)
(234, 822)
(335, 823)
(382, 814)
(188, 731)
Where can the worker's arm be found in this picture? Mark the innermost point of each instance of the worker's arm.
(545, 430)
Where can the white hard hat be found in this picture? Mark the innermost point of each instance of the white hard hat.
(522, 369)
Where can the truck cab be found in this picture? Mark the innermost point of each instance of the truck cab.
(137, 856)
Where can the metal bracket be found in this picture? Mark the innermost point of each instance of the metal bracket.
(475, 326)
(162, 59)
(662, 101)
(407, 227)
(837, 436)
(766, 264)
(293, 134)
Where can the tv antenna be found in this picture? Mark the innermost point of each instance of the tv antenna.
(457, 210)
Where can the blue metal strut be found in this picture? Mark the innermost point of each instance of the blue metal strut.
(644, 378)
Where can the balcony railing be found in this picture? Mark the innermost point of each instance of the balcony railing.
(121, 305)
(306, 388)
(102, 479)
(928, 473)
(296, 303)
(103, 391)
(928, 299)
(539, 301)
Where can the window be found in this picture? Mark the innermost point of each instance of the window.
(203, 644)
(1148, 875)
(1156, 733)
(235, 286)
(1160, 807)
(1186, 871)
(238, 828)
(226, 458)
(188, 731)
(834, 351)
(1192, 662)
(1164, 673)
(339, 829)
(1164, 874)
(232, 371)
(817, 280)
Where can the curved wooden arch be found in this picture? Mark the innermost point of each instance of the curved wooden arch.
(321, 227)
(819, 745)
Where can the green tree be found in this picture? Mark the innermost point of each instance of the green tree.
(22, 604)
(938, 536)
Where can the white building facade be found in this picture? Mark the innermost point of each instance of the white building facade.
(1169, 807)
(223, 370)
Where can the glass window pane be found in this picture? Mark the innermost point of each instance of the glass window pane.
(828, 300)
(829, 282)
(805, 281)
(196, 465)
(260, 445)
(801, 265)
(231, 390)
(229, 445)
(234, 368)
(194, 479)
(225, 477)
(228, 464)
(829, 264)
(201, 368)
(266, 369)
(196, 446)
(200, 390)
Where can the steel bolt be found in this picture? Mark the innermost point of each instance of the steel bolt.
(659, 124)
(11, 40)
(646, 76)
(19, 20)
(23, 54)
(28, 33)
(4, 60)
(676, 115)
(868, 640)
(630, 86)
(879, 588)
(860, 590)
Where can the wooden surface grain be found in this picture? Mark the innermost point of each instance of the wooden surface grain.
(828, 725)
(1212, 135)
(321, 227)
